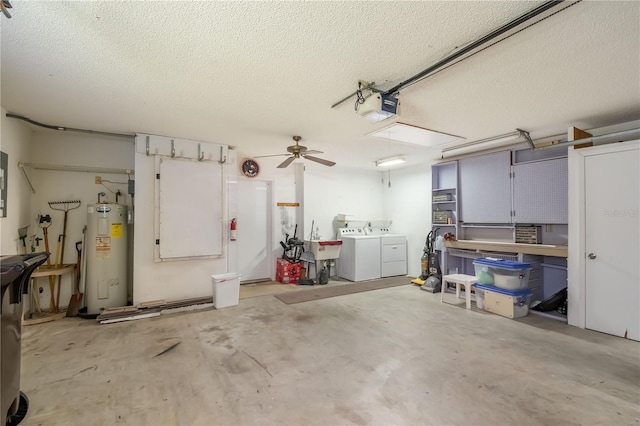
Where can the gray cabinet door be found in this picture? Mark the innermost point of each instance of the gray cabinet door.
(485, 188)
(540, 192)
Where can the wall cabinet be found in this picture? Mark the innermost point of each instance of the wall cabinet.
(540, 192)
(485, 188)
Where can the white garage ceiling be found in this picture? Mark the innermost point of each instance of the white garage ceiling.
(252, 74)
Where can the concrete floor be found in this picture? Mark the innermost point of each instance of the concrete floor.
(392, 356)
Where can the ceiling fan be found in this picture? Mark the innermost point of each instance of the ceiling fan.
(297, 151)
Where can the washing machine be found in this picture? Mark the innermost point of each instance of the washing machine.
(393, 249)
(359, 256)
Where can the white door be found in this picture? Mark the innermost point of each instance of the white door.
(612, 236)
(254, 230)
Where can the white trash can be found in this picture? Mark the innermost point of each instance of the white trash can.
(226, 290)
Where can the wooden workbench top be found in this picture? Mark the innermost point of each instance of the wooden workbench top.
(539, 249)
(48, 270)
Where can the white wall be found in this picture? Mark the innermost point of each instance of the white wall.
(332, 191)
(16, 143)
(170, 280)
(283, 184)
(367, 196)
(76, 150)
(408, 203)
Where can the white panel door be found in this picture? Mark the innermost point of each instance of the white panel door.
(612, 242)
(254, 230)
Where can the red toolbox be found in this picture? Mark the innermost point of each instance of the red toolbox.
(287, 272)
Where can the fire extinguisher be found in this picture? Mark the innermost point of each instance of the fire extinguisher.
(232, 234)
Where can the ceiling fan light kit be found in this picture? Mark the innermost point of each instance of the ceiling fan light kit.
(299, 151)
(390, 161)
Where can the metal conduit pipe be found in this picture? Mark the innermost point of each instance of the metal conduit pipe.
(489, 144)
(70, 129)
(624, 135)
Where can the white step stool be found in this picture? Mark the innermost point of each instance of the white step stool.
(459, 280)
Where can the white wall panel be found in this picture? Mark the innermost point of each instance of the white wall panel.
(16, 143)
(190, 208)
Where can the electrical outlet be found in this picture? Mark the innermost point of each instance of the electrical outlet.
(98, 180)
(549, 228)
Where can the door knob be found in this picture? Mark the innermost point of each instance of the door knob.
(591, 255)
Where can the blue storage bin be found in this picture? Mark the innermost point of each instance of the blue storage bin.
(505, 274)
(508, 303)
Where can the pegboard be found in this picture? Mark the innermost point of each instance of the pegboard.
(540, 192)
(485, 188)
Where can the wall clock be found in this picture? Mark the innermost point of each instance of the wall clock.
(250, 167)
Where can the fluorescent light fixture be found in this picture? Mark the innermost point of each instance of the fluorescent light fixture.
(488, 143)
(414, 135)
(391, 161)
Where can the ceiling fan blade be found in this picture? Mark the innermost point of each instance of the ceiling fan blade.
(319, 160)
(272, 155)
(311, 151)
(286, 162)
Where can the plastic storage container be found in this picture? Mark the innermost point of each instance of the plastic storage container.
(506, 274)
(442, 217)
(226, 290)
(507, 303)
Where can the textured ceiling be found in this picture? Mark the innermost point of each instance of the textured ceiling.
(252, 74)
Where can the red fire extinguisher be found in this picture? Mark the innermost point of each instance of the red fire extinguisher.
(232, 234)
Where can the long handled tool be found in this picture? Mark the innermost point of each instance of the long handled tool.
(76, 297)
(45, 222)
(64, 206)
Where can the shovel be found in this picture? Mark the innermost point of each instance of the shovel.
(76, 297)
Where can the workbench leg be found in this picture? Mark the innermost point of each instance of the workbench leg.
(58, 294)
(467, 294)
(35, 296)
(52, 301)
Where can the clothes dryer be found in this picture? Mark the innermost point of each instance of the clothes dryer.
(359, 256)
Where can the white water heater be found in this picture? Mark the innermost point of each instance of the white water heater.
(106, 255)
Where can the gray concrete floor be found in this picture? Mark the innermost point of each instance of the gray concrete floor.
(392, 356)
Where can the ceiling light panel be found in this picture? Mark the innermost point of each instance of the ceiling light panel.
(415, 135)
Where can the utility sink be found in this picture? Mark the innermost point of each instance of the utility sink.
(325, 249)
